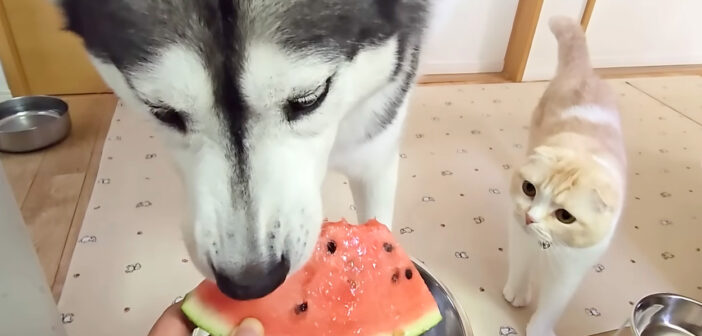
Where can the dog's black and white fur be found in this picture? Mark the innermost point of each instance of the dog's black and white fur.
(258, 98)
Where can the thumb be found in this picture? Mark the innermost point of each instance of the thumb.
(249, 327)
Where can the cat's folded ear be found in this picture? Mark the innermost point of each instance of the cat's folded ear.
(605, 197)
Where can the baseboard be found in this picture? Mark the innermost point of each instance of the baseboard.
(645, 60)
(464, 78)
(459, 67)
(623, 72)
(626, 72)
(651, 71)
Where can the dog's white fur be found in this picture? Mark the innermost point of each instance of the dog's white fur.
(288, 160)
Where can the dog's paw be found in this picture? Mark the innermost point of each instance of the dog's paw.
(517, 297)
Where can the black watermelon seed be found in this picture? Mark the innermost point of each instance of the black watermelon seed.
(408, 274)
(395, 276)
(301, 308)
(388, 247)
(331, 246)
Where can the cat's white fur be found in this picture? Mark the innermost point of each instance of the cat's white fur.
(576, 162)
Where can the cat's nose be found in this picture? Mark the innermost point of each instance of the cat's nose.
(528, 220)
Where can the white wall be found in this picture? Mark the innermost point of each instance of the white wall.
(4, 88)
(543, 56)
(468, 36)
(626, 33)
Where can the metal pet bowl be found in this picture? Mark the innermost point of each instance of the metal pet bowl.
(454, 323)
(32, 122)
(667, 315)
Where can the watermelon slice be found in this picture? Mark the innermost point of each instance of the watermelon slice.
(359, 281)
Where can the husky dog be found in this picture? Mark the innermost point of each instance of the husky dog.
(258, 99)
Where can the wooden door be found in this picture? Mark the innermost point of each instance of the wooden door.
(38, 56)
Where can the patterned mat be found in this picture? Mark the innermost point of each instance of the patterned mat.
(461, 144)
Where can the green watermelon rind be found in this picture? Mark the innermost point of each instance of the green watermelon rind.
(204, 317)
(207, 320)
(422, 325)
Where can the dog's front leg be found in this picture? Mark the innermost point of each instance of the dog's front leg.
(372, 172)
(374, 189)
(371, 167)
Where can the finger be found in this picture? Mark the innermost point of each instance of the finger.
(249, 327)
(172, 323)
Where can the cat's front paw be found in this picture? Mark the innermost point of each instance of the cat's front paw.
(518, 297)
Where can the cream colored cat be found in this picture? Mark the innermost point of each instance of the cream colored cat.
(569, 194)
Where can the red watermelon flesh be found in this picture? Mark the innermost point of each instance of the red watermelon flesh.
(359, 281)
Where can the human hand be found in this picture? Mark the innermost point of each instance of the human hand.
(174, 323)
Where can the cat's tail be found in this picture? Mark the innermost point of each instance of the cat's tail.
(573, 56)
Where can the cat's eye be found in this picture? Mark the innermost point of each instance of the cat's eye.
(529, 189)
(564, 216)
(302, 105)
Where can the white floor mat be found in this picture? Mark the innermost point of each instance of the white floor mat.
(461, 144)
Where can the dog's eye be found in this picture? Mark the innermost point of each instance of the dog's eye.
(303, 105)
(170, 117)
(564, 216)
(529, 189)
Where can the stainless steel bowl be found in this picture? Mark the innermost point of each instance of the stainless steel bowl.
(667, 315)
(32, 122)
(454, 322)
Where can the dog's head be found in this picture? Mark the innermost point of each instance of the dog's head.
(250, 94)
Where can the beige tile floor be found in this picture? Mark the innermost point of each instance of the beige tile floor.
(462, 142)
(675, 93)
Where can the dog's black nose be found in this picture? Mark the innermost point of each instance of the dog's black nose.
(255, 281)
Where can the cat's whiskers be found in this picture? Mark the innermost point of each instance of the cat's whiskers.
(541, 232)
